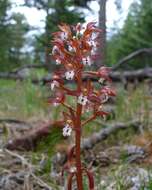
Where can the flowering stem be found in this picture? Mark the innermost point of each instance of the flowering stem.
(74, 53)
(78, 148)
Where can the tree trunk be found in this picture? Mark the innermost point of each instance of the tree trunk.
(102, 26)
(47, 40)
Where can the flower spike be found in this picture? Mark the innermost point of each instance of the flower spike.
(74, 49)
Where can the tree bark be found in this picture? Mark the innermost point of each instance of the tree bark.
(102, 25)
(47, 39)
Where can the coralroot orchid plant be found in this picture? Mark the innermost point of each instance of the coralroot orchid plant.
(75, 49)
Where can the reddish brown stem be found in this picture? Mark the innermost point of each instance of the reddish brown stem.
(90, 73)
(89, 119)
(69, 91)
(78, 150)
(70, 181)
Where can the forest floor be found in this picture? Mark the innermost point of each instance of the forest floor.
(121, 162)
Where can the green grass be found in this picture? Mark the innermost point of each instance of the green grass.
(130, 105)
(21, 100)
(28, 99)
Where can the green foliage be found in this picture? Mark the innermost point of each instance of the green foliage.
(135, 104)
(21, 101)
(135, 34)
(13, 28)
(47, 144)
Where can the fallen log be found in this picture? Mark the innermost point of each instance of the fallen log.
(15, 121)
(132, 56)
(29, 141)
(31, 66)
(103, 134)
(116, 76)
(139, 74)
(11, 76)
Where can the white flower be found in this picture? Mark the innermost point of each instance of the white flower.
(103, 182)
(58, 62)
(92, 43)
(54, 84)
(69, 75)
(104, 98)
(67, 130)
(101, 80)
(93, 50)
(71, 49)
(82, 100)
(54, 49)
(86, 61)
(64, 35)
(73, 169)
(55, 104)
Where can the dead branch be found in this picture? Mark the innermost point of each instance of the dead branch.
(15, 121)
(139, 75)
(30, 167)
(103, 134)
(132, 56)
(30, 66)
(11, 76)
(29, 141)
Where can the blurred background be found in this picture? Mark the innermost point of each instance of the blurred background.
(26, 28)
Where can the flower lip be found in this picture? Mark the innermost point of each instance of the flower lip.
(67, 130)
(82, 99)
(55, 50)
(58, 61)
(87, 61)
(54, 84)
(72, 169)
(92, 43)
(64, 35)
(69, 75)
(71, 48)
